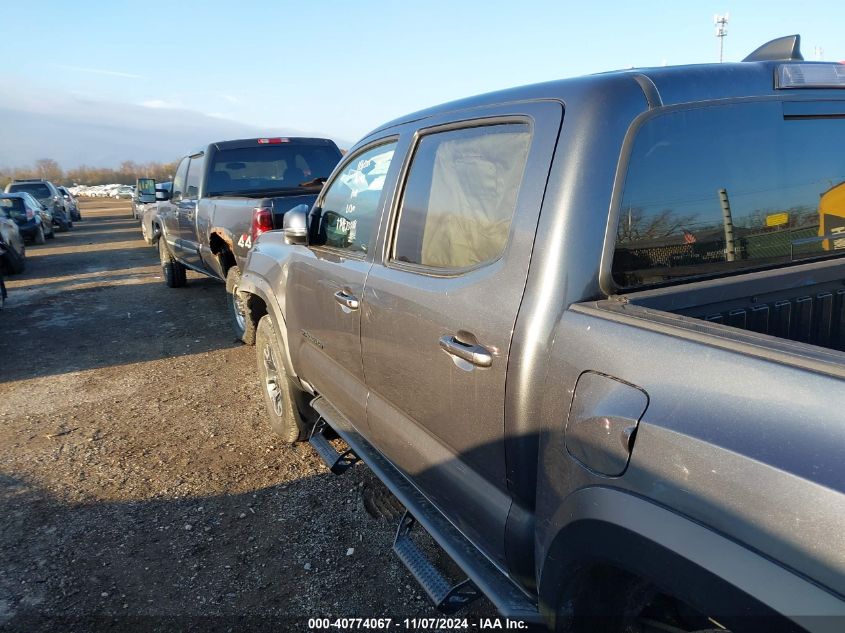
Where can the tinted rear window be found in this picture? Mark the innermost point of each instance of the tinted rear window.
(271, 168)
(12, 207)
(37, 189)
(727, 188)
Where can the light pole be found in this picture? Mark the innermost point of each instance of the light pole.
(721, 22)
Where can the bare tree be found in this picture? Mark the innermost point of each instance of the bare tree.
(48, 169)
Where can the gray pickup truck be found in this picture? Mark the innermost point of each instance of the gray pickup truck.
(224, 196)
(590, 333)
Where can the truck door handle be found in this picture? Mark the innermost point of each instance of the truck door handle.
(475, 354)
(347, 301)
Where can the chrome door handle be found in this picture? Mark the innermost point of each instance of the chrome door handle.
(475, 354)
(347, 301)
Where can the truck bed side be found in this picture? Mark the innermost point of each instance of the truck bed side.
(737, 424)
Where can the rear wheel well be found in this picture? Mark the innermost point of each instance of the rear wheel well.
(603, 577)
(222, 250)
(255, 307)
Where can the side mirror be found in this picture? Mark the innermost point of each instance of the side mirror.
(162, 195)
(295, 225)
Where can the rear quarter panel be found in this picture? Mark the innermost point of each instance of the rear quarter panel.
(748, 446)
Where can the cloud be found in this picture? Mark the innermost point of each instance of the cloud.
(99, 71)
(76, 130)
(160, 103)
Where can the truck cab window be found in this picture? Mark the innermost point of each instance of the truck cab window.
(349, 210)
(460, 196)
(179, 180)
(729, 188)
(192, 182)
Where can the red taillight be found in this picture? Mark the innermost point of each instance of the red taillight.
(30, 214)
(262, 221)
(272, 141)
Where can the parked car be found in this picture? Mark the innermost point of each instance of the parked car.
(150, 224)
(47, 194)
(13, 258)
(70, 204)
(125, 192)
(32, 218)
(479, 304)
(228, 194)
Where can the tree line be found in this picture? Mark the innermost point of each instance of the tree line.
(124, 174)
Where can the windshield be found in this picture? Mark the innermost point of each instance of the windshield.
(38, 189)
(730, 188)
(284, 167)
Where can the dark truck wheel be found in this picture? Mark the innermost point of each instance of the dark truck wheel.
(280, 394)
(241, 321)
(175, 275)
(39, 235)
(15, 262)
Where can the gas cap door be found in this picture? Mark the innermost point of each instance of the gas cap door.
(603, 421)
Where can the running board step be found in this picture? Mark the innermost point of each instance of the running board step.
(338, 463)
(447, 598)
(510, 600)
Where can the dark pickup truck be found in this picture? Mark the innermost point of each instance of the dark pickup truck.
(590, 333)
(225, 196)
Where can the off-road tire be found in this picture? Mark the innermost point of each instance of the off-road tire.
(242, 321)
(39, 235)
(174, 273)
(280, 394)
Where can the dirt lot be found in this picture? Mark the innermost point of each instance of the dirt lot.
(139, 484)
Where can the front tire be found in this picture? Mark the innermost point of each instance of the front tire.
(241, 320)
(175, 274)
(280, 394)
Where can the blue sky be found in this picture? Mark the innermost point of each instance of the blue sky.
(341, 68)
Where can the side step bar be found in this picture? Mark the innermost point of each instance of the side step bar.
(509, 599)
(447, 598)
(338, 463)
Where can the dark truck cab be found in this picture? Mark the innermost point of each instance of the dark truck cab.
(226, 195)
(591, 333)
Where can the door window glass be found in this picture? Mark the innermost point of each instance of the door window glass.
(349, 211)
(179, 180)
(460, 196)
(192, 182)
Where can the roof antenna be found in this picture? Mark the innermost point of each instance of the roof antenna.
(782, 49)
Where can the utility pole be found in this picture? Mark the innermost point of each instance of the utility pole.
(727, 219)
(721, 22)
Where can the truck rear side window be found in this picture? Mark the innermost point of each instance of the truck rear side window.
(729, 188)
(460, 196)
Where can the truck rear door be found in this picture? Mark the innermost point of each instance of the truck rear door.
(441, 301)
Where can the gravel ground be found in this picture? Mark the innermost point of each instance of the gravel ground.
(140, 487)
